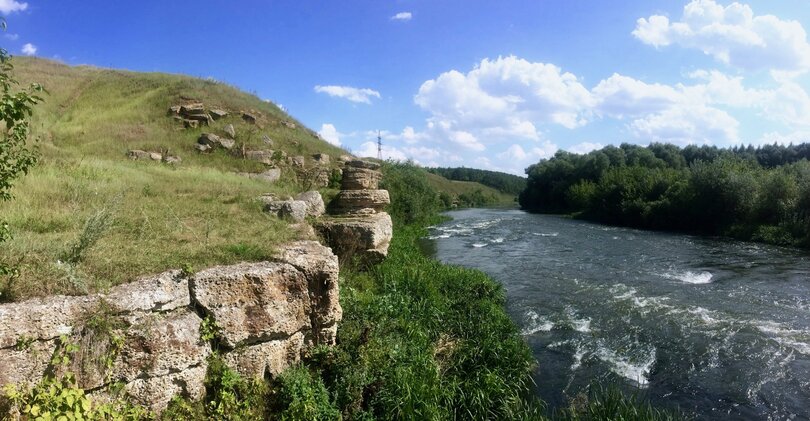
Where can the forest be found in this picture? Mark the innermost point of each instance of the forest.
(760, 194)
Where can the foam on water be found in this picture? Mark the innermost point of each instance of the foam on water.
(690, 277)
(797, 339)
(582, 325)
(544, 234)
(636, 369)
(479, 245)
(536, 323)
(498, 240)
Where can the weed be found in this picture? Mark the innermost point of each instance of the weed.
(94, 228)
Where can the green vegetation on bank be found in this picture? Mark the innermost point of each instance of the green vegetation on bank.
(760, 194)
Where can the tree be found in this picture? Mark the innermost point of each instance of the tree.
(17, 156)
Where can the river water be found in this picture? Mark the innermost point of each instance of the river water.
(717, 328)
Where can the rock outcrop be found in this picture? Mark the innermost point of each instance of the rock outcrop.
(263, 316)
(359, 227)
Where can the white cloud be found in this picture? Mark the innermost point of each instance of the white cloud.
(784, 139)
(330, 134)
(402, 16)
(362, 95)
(508, 95)
(732, 35)
(369, 149)
(685, 124)
(29, 49)
(10, 6)
(584, 147)
(13, 37)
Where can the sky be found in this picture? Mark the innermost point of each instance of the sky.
(486, 84)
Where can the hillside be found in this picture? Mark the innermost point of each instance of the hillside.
(112, 218)
(469, 193)
(503, 182)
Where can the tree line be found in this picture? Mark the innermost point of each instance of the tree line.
(749, 193)
(506, 183)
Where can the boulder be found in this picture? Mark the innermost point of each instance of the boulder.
(138, 154)
(297, 161)
(264, 156)
(253, 303)
(216, 114)
(250, 118)
(345, 158)
(190, 124)
(202, 148)
(192, 109)
(360, 179)
(290, 125)
(172, 160)
(214, 141)
(266, 139)
(266, 358)
(230, 131)
(359, 163)
(270, 175)
(227, 143)
(154, 156)
(156, 392)
(360, 201)
(174, 110)
(201, 118)
(294, 210)
(314, 202)
(367, 237)
(321, 158)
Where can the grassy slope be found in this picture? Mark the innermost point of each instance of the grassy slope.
(457, 188)
(198, 213)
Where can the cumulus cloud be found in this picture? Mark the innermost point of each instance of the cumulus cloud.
(361, 95)
(10, 6)
(330, 134)
(402, 16)
(508, 96)
(733, 35)
(29, 49)
(585, 147)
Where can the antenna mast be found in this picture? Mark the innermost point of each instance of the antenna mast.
(379, 146)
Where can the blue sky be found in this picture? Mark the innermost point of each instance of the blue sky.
(485, 84)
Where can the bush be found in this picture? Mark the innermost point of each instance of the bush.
(413, 199)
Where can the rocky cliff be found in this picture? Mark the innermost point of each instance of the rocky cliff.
(154, 335)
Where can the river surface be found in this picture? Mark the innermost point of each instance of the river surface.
(717, 328)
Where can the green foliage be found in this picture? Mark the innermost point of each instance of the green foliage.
(754, 194)
(209, 329)
(423, 340)
(610, 404)
(94, 228)
(413, 199)
(299, 395)
(60, 399)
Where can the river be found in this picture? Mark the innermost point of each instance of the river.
(717, 328)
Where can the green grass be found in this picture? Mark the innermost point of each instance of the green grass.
(458, 188)
(87, 218)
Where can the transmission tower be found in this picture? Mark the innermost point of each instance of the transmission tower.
(379, 146)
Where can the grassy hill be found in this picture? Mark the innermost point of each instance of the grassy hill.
(458, 190)
(87, 217)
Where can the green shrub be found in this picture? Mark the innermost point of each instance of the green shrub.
(299, 395)
(413, 199)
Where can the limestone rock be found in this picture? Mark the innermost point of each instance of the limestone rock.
(193, 108)
(154, 156)
(297, 161)
(359, 163)
(214, 141)
(255, 302)
(264, 156)
(42, 318)
(164, 292)
(250, 118)
(174, 110)
(345, 158)
(367, 237)
(314, 202)
(216, 114)
(190, 124)
(172, 159)
(138, 154)
(266, 139)
(202, 118)
(294, 210)
(270, 175)
(271, 357)
(321, 268)
(202, 148)
(360, 201)
(360, 179)
(227, 143)
(25, 365)
(230, 131)
(156, 392)
(290, 125)
(159, 345)
(321, 158)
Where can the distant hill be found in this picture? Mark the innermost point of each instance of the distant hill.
(503, 182)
